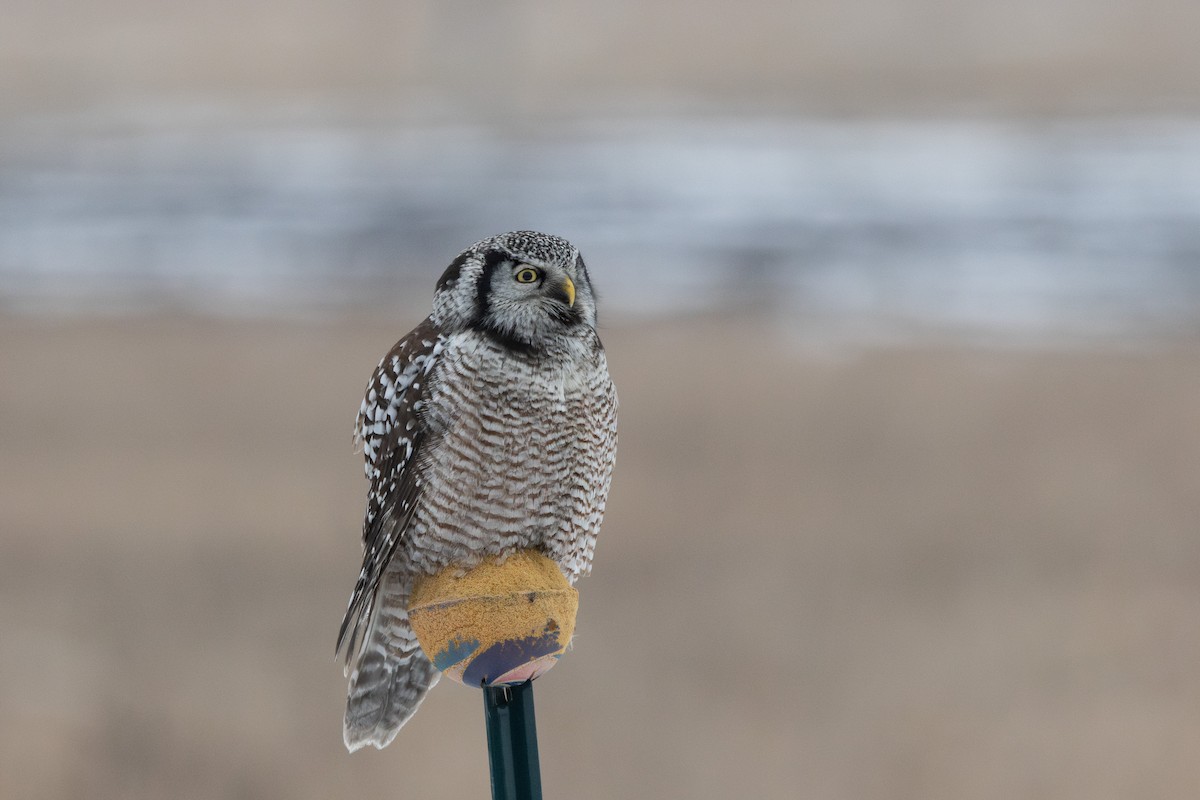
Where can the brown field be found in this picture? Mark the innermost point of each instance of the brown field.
(530, 59)
(882, 573)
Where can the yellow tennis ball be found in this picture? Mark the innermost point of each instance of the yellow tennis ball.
(499, 623)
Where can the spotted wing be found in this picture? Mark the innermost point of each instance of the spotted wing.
(391, 434)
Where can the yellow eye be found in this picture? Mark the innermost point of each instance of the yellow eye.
(527, 275)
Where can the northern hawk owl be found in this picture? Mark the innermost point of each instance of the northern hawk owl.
(490, 428)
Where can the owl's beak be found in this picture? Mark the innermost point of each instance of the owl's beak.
(569, 288)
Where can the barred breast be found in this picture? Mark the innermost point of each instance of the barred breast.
(521, 455)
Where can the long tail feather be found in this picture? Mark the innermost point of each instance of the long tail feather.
(388, 680)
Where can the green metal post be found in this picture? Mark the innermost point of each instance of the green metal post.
(512, 742)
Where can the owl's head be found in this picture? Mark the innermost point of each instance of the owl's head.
(524, 289)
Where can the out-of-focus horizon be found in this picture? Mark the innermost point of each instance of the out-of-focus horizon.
(952, 556)
(1026, 173)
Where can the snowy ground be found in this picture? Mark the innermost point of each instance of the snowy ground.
(1000, 230)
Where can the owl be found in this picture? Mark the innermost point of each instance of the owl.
(490, 428)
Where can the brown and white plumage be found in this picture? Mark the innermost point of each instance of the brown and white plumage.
(491, 427)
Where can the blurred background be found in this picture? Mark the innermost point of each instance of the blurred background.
(902, 300)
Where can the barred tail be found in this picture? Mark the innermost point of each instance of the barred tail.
(389, 678)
